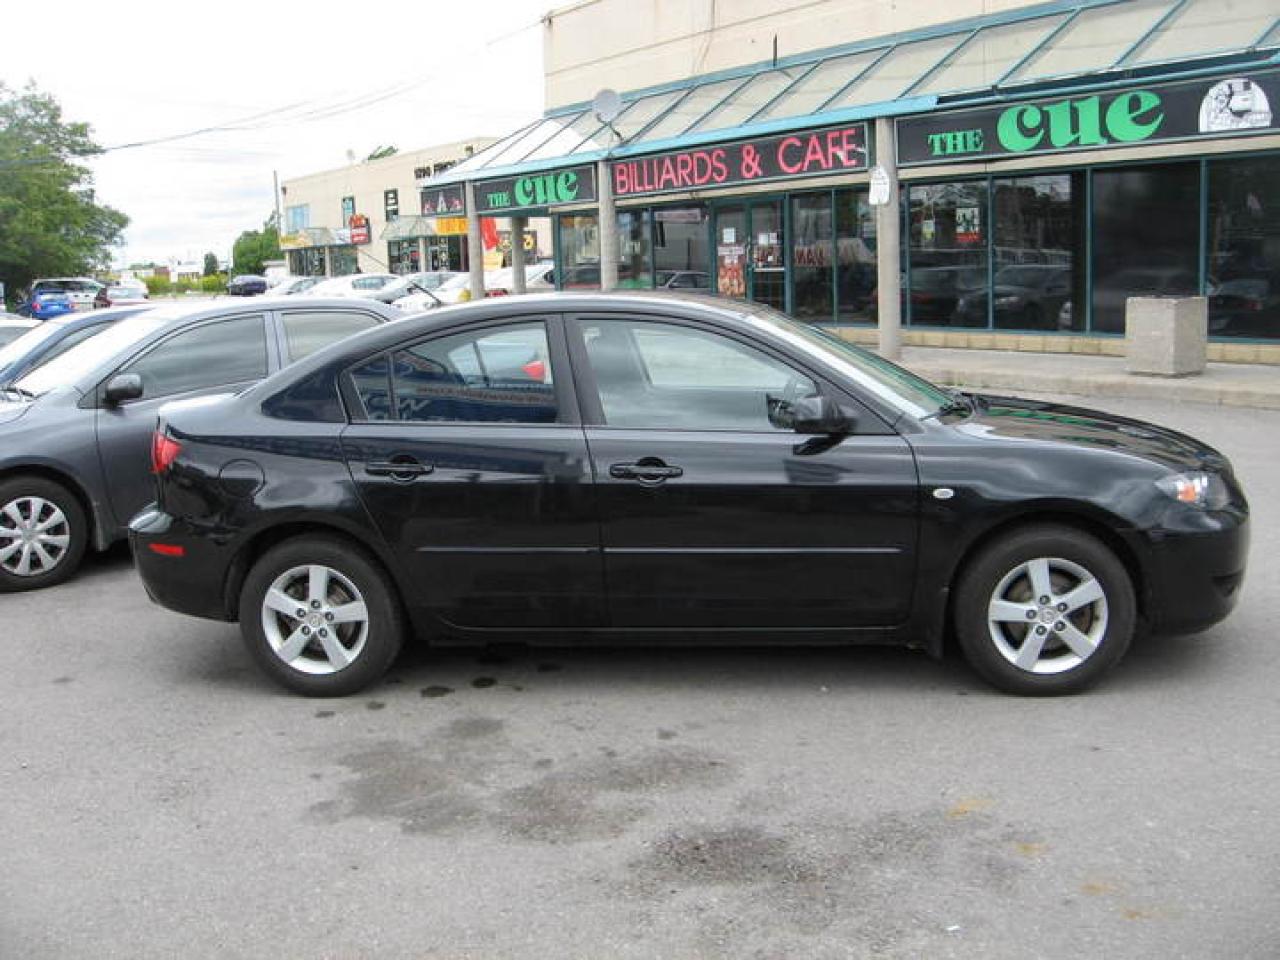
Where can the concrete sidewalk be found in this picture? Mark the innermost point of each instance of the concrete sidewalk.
(1226, 384)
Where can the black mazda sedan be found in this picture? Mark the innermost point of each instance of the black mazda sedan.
(593, 468)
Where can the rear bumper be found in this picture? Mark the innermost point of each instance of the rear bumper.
(1197, 571)
(182, 571)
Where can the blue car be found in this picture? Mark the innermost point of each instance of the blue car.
(43, 304)
(42, 343)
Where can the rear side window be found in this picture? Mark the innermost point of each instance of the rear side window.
(211, 355)
(305, 332)
(489, 376)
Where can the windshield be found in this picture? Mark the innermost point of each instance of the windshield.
(84, 358)
(897, 386)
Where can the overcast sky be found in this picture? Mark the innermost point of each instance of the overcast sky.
(302, 83)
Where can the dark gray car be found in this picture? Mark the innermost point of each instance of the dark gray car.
(75, 435)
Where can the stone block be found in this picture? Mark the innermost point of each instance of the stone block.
(1166, 336)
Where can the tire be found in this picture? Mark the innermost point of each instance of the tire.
(1057, 652)
(43, 533)
(352, 653)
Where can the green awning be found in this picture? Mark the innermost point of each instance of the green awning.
(966, 62)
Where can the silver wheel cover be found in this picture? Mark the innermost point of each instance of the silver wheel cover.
(1047, 615)
(315, 619)
(34, 536)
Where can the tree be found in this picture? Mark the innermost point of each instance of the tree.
(210, 264)
(50, 221)
(254, 246)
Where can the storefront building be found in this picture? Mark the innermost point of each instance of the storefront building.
(1051, 159)
(365, 216)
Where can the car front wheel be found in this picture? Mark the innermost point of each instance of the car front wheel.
(320, 617)
(1045, 610)
(43, 533)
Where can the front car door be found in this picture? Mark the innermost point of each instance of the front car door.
(467, 451)
(218, 355)
(714, 517)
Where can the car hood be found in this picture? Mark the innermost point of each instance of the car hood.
(1036, 421)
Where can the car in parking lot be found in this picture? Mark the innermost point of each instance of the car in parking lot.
(673, 469)
(52, 338)
(75, 432)
(362, 285)
(247, 285)
(81, 291)
(43, 304)
(121, 295)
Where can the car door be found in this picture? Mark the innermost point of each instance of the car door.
(466, 449)
(712, 516)
(214, 356)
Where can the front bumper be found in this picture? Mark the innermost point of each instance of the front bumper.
(180, 569)
(1197, 568)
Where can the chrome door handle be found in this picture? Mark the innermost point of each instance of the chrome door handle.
(398, 468)
(653, 471)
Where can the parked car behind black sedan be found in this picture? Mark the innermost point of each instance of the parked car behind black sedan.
(52, 338)
(246, 285)
(647, 466)
(75, 433)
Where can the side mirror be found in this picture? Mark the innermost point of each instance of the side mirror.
(122, 387)
(811, 415)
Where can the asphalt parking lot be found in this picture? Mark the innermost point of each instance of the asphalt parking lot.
(160, 798)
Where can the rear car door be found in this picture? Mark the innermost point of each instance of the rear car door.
(466, 449)
(214, 356)
(712, 516)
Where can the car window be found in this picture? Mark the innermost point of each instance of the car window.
(69, 341)
(665, 376)
(498, 375)
(369, 283)
(210, 355)
(307, 331)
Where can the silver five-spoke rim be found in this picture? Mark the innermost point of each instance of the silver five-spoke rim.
(315, 619)
(1047, 615)
(34, 536)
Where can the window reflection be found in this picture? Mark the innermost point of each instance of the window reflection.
(1244, 248)
(948, 255)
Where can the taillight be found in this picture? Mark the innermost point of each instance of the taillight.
(164, 449)
(35, 306)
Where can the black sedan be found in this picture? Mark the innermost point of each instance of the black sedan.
(609, 467)
(247, 285)
(75, 431)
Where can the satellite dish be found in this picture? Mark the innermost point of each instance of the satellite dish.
(606, 105)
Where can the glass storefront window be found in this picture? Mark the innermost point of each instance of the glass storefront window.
(579, 251)
(812, 256)
(1038, 253)
(342, 261)
(1243, 259)
(766, 254)
(948, 254)
(680, 254)
(1145, 237)
(404, 256)
(635, 261)
(855, 255)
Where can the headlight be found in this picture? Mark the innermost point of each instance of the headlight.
(1204, 490)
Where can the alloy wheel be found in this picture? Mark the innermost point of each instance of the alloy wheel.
(1047, 615)
(315, 619)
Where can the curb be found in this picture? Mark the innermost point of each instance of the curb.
(1206, 388)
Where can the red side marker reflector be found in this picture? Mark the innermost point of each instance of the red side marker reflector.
(167, 549)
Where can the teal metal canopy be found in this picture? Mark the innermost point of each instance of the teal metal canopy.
(1059, 45)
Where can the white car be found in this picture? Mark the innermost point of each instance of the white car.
(352, 285)
(81, 290)
(538, 278)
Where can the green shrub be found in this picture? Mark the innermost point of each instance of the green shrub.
(158, 286)
(213, 284)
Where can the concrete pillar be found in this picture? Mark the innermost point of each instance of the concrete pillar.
(608, 228)
(475, 244)
(517, 255)
(888, 247)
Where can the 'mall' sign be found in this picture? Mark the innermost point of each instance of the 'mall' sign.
(1115, 118)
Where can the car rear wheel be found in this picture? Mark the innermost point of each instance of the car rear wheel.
(1046, 610)
(43, 533)
(320, 617)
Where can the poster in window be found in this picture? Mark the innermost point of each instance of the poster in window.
(968, 225)
(731, 270)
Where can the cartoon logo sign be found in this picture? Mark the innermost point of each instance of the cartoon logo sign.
(1235, 104)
